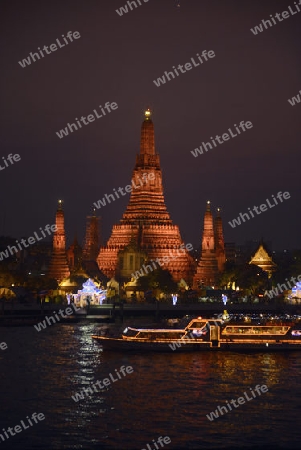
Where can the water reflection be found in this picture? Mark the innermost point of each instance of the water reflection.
(167, 394)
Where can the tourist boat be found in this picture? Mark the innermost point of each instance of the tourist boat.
(206, 334)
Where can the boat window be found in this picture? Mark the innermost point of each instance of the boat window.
(260, 330)
(159, 335)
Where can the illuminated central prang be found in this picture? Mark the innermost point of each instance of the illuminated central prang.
(146, 229)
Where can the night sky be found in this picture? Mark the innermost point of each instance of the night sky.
(116, 59)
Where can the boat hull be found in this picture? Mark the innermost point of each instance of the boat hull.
(117, 344)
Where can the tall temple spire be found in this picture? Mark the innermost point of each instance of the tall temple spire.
(219, 241)
(147, 202)
(207, 269)
(92, 238)
(147, 142)
(208, 243)
(146, 219)
(58, 267)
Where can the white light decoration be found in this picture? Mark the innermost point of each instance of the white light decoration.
(225, 299)
(90, 294)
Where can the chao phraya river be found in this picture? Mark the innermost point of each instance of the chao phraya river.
(165, 395)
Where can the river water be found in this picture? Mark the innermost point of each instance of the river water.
(165, 395)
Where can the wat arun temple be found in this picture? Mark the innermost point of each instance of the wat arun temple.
(145, 233)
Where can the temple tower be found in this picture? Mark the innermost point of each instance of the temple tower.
(207, 269)
(92, 238)
(219, 241)
(146, 220)
(74, 256)
(58, 267)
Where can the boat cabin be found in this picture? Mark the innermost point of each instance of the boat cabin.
(255, 330)
(151, 334)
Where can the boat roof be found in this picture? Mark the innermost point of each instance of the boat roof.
(171, 330)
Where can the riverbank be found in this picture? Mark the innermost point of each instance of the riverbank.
(21, 314)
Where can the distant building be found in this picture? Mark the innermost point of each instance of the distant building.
(263, 260)
(230, 252)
